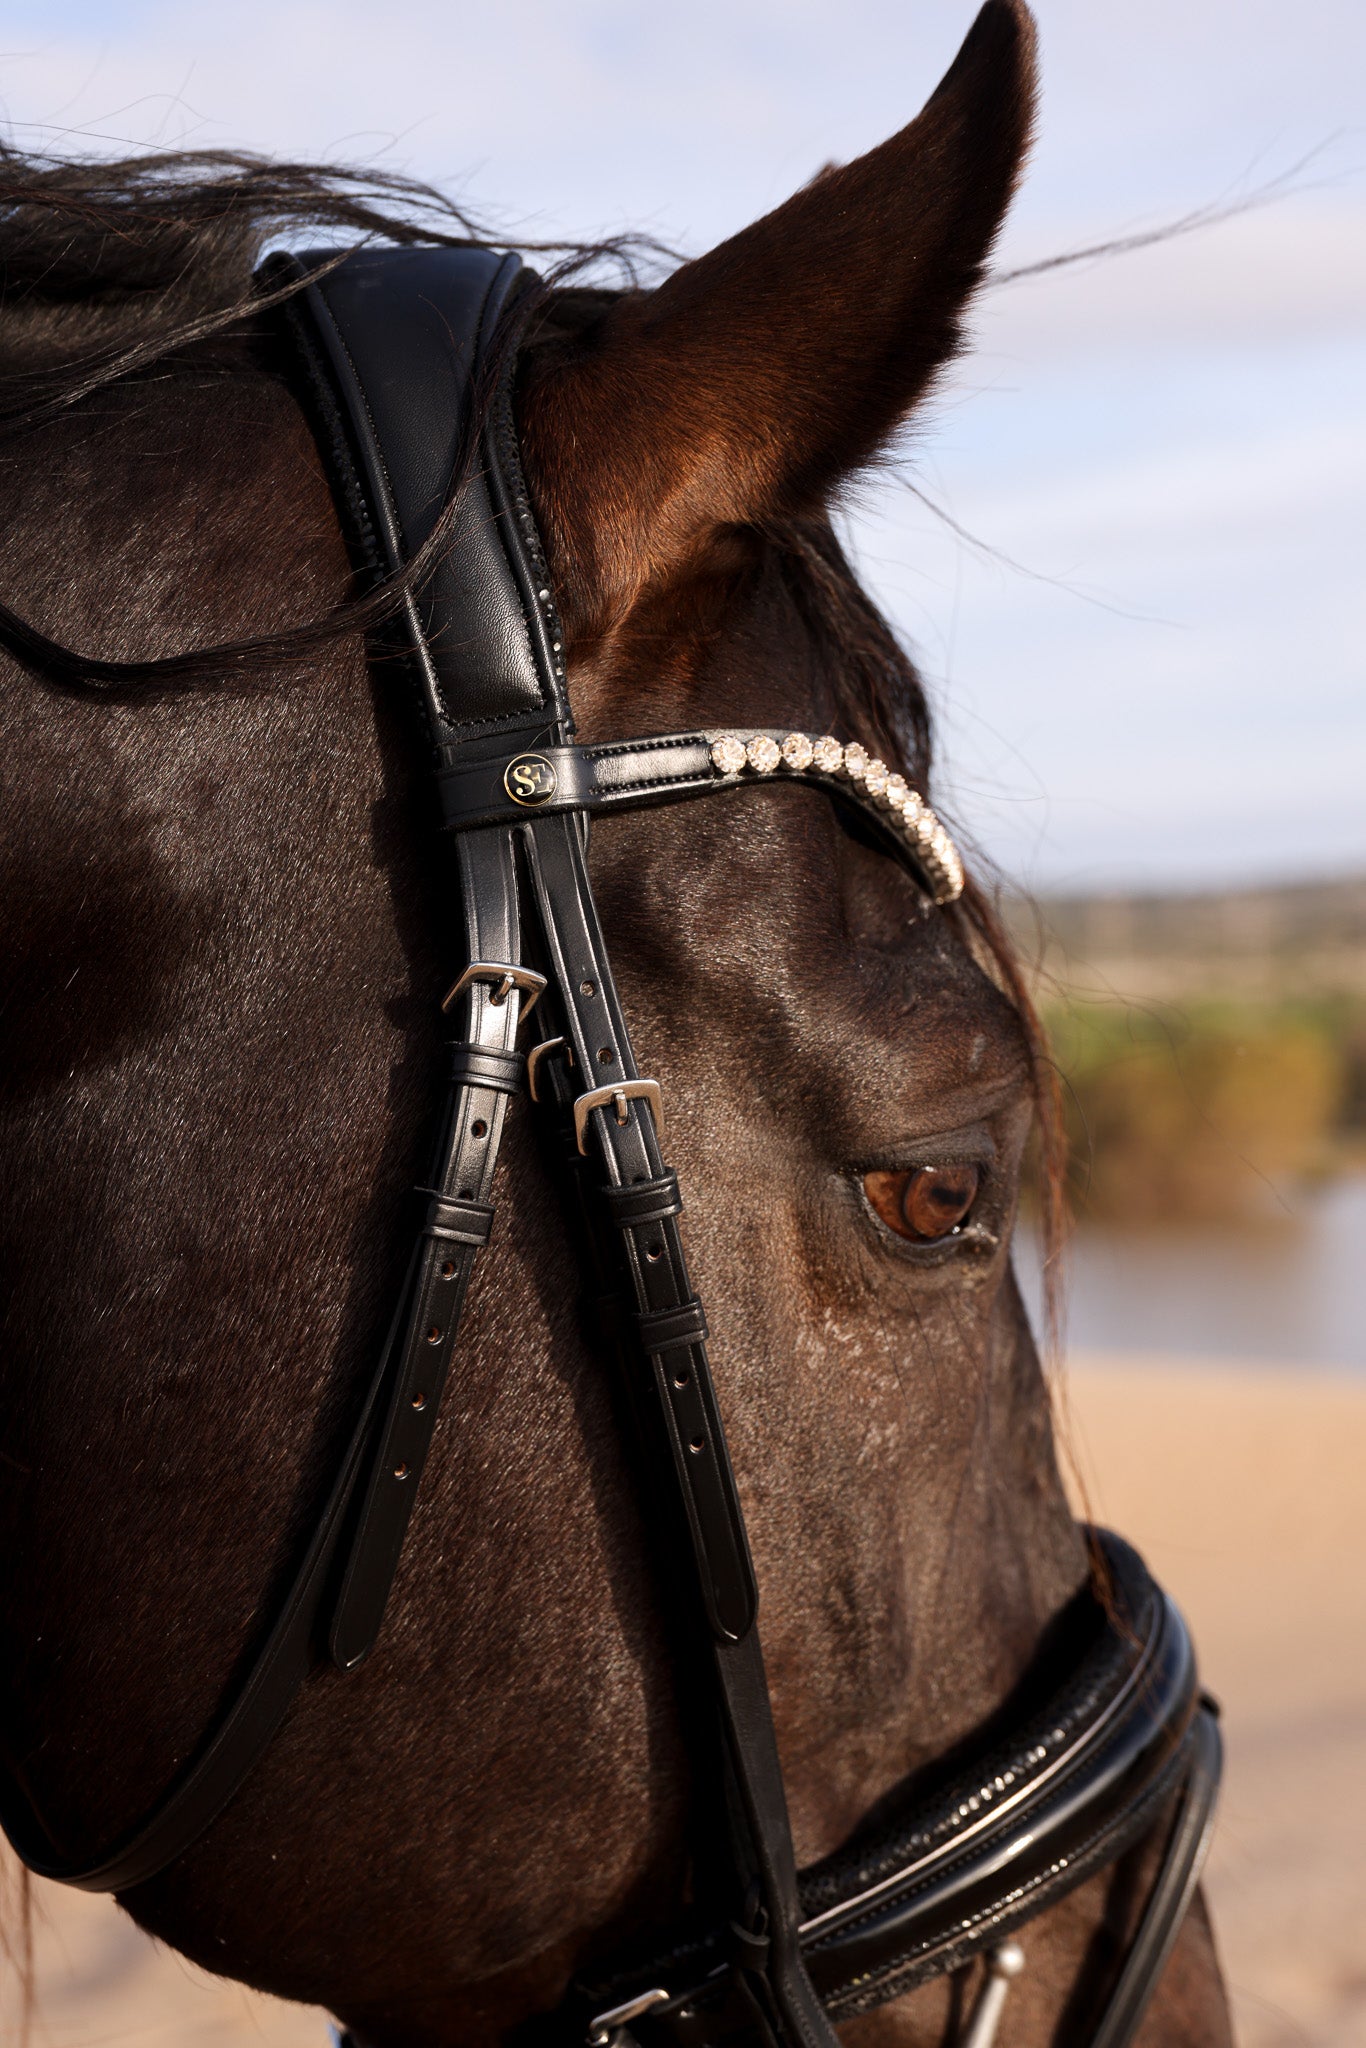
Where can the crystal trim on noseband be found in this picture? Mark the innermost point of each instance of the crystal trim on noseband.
(734, 755)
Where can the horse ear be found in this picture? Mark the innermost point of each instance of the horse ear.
(758, 377)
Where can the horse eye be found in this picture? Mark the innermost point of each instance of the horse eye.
(926, 1204)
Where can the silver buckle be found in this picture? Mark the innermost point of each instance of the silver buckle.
(618, 1094)
(604, 2024)
(508, 978)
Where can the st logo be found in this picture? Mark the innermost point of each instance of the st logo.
(529, 779)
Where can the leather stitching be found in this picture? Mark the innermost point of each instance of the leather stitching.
(507, 526)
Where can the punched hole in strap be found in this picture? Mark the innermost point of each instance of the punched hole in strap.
(644, 1201)
(455, 1221)
(668, 1329)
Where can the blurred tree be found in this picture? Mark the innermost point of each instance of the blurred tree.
(1203, 1115)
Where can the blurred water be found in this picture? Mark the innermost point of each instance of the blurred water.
(1291, 1290)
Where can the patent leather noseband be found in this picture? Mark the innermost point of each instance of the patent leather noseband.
(404, 363)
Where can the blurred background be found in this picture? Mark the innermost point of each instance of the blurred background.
(1125, 545)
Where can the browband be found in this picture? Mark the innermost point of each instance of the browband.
(404, 360)
(630, 774)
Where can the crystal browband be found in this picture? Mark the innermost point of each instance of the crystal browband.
(630, 774)
(735, 754)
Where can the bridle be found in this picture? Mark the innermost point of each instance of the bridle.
(393, 348)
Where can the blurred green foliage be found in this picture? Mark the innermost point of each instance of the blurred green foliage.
(1208, 1111)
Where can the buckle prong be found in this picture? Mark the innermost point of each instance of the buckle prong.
(507, 979)
(615, 1096)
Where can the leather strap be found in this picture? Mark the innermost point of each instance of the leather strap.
(475, 1065)
(457, 1222)
(360, 1531)
(618, 776)
(1173, 1888)
(688, 1419)
(1084, 1777)
(669, 1329)
(629, 1153)
(647, 1201)
(482, 1067)
(409, 358)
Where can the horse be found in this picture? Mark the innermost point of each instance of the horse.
(227, 931)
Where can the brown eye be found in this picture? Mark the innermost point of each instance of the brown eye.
(926, 1204)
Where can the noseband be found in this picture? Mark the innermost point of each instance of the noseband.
(394, 350)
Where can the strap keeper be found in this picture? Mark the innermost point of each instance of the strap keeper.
(482, 1066)
(457, 1222)
(644, 1201)
(748, 1948)
(667, 1329)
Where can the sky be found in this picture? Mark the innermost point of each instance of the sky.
(1146, 657)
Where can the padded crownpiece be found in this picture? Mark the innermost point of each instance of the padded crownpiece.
(420, 346)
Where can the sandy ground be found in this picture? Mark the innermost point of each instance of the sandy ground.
(1247, 1492)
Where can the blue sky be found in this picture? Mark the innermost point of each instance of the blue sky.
(1168, 687)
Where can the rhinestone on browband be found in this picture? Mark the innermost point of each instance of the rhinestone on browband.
(881, 788)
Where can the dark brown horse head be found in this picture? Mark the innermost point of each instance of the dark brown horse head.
(226, 929)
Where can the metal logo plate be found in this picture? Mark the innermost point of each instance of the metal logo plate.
(530, 779)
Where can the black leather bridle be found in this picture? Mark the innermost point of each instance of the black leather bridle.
(405, 365)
